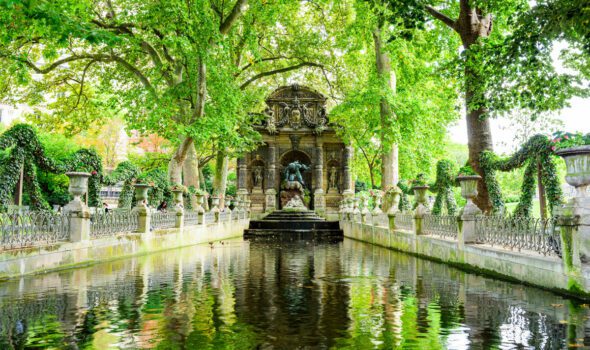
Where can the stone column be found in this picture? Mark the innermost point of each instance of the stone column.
(77, 209)
(242, 175)
(271, 192)
(142, 209)
(347, 185)
(319, 201)
(178, 207)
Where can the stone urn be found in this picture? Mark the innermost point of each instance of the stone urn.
(394, 205)
(78, 184)
(577, 163)
(356, 209)
(365, 202)
(177, 197)
(78, 187)
(468, 185)
(141, 193)
(420, 193)
(215, 204)
(377, 198)
(200, 201)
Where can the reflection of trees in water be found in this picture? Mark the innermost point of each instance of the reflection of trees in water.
(341, 295)
(437, 301)
(286, 294)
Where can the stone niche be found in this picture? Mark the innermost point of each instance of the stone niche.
(295, 127)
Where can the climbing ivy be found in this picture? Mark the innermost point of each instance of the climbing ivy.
(443, 187)
(23, 149)
(535, 154)
(87, 160)
(125, 172)
(404, 201)
(160, 191)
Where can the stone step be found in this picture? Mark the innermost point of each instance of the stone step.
(294, 234)
(294, 225)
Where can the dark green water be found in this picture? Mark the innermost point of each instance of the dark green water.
(301, 295)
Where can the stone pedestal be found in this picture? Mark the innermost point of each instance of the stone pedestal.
(319, 202)
(270, 202)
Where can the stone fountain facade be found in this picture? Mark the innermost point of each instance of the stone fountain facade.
(296, 128)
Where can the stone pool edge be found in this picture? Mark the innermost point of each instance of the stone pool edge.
(62, 256)
(542, 272)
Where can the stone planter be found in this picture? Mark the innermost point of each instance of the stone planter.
(141, 193)
(177, 196)
(468, 185)
(420, 193)
(356, 203)
(577, 162)
(78, 187)
(215, 204)
(377, 200)
(394, 205)
(365, 203)
(422, 208)
(78, 184)
(200, 201)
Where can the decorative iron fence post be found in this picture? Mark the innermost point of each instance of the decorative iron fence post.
(469, 214)
(178, 208)
(77, 208)
(142, 209)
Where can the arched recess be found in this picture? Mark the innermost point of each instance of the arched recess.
(257, 165)
(291, 156)
(333, 166)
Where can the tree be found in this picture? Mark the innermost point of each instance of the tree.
(424, 101)
(503, 67)
(177, 68)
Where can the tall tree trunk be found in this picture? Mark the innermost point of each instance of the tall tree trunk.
(177, 160)
(203, 185)
(220, 179)
(472, 25)
(190, 172)
(389, 157)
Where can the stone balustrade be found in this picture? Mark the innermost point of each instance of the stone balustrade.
(549, 253)
(78, 224)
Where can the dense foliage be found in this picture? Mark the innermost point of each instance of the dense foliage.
(535, 155)
(24, 150)
(443, 187)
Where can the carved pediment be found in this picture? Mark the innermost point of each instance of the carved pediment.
(295, 107)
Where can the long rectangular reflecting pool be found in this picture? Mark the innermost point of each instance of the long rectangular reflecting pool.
(288, 295)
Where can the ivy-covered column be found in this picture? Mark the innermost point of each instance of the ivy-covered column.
(77, 209)
(271, 192)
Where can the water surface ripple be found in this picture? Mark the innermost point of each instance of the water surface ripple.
(297, 295)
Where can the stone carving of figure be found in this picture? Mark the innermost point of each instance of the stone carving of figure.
(293, 172)
(295, 119)
(257, 178)
(333, 178)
